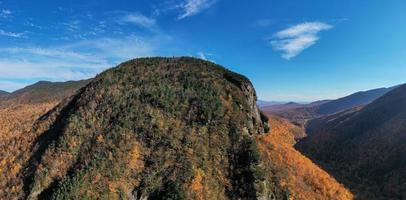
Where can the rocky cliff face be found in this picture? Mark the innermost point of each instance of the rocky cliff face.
(251, 97)
(153, 128)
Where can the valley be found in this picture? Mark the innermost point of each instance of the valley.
(359, 139)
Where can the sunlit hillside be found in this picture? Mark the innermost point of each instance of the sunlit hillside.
(302, 178)
(15, 141)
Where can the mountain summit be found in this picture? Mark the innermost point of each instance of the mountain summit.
(152, 128)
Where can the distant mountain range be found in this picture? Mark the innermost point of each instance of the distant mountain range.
(42, 91)
(301, 113)
(291, 105)
(262, 103)
(353, 100)
(364, 147)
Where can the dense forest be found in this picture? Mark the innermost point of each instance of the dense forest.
(364, 148)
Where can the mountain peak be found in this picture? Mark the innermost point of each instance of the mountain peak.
(152, 128)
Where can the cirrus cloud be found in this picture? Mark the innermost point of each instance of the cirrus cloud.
(140, 20)
(292, 41)
(11, 34)
(192, 7)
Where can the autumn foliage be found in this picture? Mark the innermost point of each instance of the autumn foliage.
(15, 141)
(298, 174)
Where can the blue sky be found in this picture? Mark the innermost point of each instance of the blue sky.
(299, 50)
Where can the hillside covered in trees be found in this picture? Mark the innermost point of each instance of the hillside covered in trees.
(298, 174)
(41, 92)
(15, 142)
(158, 128)
(364, 148)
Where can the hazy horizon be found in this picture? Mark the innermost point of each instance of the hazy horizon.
(277, 100)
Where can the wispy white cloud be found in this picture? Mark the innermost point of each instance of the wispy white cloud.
(73, 25)
(51, 63)
(5, 13)
(192, 7)
(11, 34)
(51, 53)
(120, 48)
(49, 69)
(202, 55)
(205, 55)
(74, 60)
(292, 41)
(139, 20)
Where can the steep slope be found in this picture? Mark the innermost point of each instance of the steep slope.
(17, 116)
(43, 91)
(15, 142)
(300, 175)
(157, 128)
(364, 147)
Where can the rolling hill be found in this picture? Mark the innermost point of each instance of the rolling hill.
(43, 91)
(284, 106)
(364, 147)
(262, 103)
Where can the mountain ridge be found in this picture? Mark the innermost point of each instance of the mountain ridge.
(299, 114)
(41, 92)
(352, 100)
(367, 143)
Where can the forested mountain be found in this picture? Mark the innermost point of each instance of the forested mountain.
(18, 112)
(365, 148)
(158, 128)
(154, 128)
(351, 101)
(303, 179)
(42, 91)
